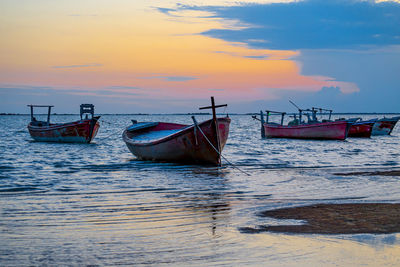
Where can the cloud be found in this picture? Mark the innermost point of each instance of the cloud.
(54, 92)
(167, 11)
(310, 24)
(118, 87)
(14, 98)
(354, 45)
(172, 78)
(257, 57)
(78, 66)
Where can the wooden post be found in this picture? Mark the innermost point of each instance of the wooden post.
(48, 115)
(31, 113)
(215, 124)
(262, 124)
(300, 113)
(283, 115)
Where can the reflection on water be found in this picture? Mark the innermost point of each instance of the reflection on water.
(96, 204)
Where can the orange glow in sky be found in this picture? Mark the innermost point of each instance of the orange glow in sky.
(131, 46)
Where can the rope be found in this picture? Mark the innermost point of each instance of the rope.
(216, 150)
(108, 136)
(106, 122)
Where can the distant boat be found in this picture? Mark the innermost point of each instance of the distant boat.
(199, 143)
(298, 129)
(384, 126)
(80, 131)
(361, 128)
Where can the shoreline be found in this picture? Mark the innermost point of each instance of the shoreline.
(354, 218)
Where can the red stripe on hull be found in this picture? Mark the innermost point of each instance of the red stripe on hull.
(327, 130)
(72, 132)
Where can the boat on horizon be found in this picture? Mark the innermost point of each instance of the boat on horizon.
(299, 129)
(198, 143)
(385, 125)
(80, 131)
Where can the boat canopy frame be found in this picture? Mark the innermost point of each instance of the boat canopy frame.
(271, 112)
(33, 119)
(314, 111)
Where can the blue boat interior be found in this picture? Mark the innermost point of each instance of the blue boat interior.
(154, 135)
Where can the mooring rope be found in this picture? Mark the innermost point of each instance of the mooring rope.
(104, 138)
(216, 150)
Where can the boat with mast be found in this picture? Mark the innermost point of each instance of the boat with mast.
(198, 143)
(299, 129)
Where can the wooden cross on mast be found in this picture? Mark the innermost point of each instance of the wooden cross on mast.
(216, 128)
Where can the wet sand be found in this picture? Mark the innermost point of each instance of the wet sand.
(376, 218)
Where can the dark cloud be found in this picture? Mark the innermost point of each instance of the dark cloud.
(167, 11)
(312, 24)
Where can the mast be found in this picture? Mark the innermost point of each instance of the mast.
(215, 125)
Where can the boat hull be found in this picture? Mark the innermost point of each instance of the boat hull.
(361, 129)
(82, 131)
(384, 126)
(187, 145)
(336, 130)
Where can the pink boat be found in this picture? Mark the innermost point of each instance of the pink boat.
(199, 143)
(81, 131)
(327, 130)
(334, 130)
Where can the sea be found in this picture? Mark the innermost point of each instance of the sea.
(97, 205)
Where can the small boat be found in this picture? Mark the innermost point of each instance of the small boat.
(313, 129)
(361, 128)
(81, 131)
(384, 126)
(199, 143)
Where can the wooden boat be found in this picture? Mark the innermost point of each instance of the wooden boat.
(313, 129)
(384, 126)
(81, 131)
(199, 143)
(361, 128)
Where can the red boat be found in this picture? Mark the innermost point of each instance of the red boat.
(384, 126)
(361, 128)
(199, 143)
(81, 131)
(326, 130)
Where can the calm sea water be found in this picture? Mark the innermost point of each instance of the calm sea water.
(95, 204)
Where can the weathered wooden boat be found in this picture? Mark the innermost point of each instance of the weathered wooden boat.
(384, 126)
(81, 131)
(199, 143)
(298, 129)
(361, 128)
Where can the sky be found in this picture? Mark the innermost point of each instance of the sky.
(134, 56)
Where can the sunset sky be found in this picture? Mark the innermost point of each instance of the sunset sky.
(169, 56)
